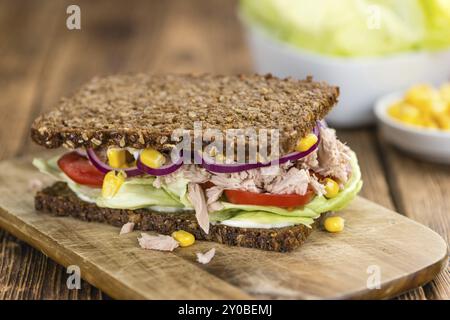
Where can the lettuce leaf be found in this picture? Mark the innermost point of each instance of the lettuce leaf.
(138, 193)
(178, 190)
(351, 28)
(437, 14)
(50, 167)
(296, 212)
(133, 194)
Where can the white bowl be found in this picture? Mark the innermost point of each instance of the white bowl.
(361, 80)
(427, 144)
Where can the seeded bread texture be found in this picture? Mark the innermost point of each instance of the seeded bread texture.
(59, 200)
(142, 111)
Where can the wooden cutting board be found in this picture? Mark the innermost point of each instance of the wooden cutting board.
(376, 243)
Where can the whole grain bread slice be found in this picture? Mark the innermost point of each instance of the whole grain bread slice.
(59, 200)
(142, 111)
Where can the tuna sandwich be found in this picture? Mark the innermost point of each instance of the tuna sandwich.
(241, 160)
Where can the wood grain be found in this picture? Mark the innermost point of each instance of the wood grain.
(421, 191)
(376, 185)
(374, 236)
(24, 57)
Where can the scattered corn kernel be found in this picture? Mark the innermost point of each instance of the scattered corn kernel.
(424, 106)
(184, 238)
(334, 224)
(152, 158)
(307, 142)
(117, 158)
(331, 188)
(112, 182)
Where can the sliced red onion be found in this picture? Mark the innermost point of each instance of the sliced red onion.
(212, 166)
(161, 171)
(81, 152)
(103, 167)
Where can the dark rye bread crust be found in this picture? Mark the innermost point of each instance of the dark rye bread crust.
(59, 200)
(142, 111)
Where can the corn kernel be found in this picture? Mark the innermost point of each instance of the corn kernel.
(334, 224)
(152, 158)
(429, 122)
(409, 114)
(444, 122)
(445, 92)
(307, 142)
(117, 158)
(331, 188)
(112, 182)
(438, 107)
(425, 107)
(184, 238)
(395, 110)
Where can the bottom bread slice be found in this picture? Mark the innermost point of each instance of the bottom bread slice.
(59, 200)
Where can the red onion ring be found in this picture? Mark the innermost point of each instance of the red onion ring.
(162, 171)
(209, 165)
(103, 167)
(81, 152)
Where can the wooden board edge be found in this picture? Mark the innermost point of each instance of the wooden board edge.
(402, 285)
(65, 259)
(417, 279)
(89, 271)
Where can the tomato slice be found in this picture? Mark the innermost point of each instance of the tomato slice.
(267, 199)
(80, 170)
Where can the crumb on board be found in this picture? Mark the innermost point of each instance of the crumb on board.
(127, 228)
(34, 185)
(157, 242)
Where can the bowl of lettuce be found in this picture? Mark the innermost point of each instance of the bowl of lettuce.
(367, 47)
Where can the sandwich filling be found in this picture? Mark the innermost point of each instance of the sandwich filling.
(294, 192)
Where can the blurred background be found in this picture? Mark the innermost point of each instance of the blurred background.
(391, 59)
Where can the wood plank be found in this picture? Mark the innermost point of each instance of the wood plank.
(373, 236)
(106, 44)
(204, 37)
(131, 272)
(24, 272)
(22, 63)
(70, 58)
(101, 47)
(214, 31)
(421, 192)
(375, 187)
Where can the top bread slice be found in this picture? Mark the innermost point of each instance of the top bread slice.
(140, 111)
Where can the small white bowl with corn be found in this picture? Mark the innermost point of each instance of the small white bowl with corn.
(417, 121)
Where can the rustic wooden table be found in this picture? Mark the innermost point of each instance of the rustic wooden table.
(41, 60)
